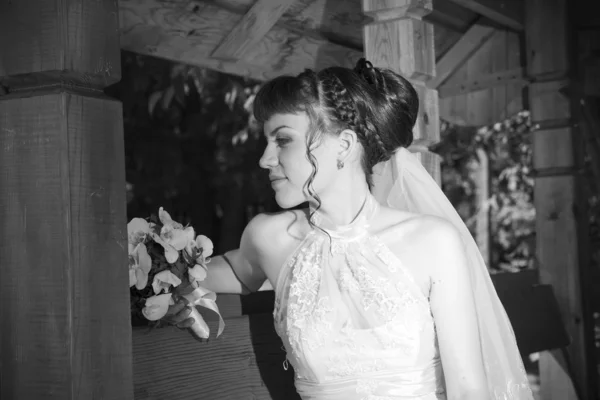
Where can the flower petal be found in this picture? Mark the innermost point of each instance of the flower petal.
(198, 272)
(206, 244)
(138, 225)
(145, 262)
(166, 219)
(180, 238)
(163, 280)
(141, 279)
(157, 306)
(137, 229)
(132, 277)
(171, 254)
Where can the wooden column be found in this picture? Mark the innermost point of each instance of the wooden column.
(64, 301)
(560, 206)
(399, 40)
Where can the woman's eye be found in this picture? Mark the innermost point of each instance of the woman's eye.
(281, 141)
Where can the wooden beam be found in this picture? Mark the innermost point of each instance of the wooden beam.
(561, 217)
(64, 296)
(393, 9)
(450, 16)
(468, 44)
(514, 76)
(251, 29)
(403, 42)
(190, 32)
(508, 13)
(315, 18)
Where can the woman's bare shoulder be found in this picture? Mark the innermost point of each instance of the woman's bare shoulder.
(270, 237)
(413, 236)
(416, 226)
(292, 223)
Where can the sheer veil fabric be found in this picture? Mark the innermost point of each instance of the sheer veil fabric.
(403, 183)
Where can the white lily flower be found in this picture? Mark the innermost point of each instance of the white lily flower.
(157, 306)
(164, 280)
(140, 264)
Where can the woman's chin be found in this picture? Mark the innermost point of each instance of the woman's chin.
(287, 200)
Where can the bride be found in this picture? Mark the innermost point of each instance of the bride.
(381, 292)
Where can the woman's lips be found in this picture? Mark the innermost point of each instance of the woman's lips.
(275, 182)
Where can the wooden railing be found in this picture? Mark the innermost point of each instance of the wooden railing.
(246, 362)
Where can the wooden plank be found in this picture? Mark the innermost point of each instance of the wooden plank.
(478, 103)
(63, 281)
(548, 101)
(35, 53)
(546, 38)
(557, 244)
(446, 14)
(189, 32)
(481, 177)
(560, 205)
(244, 363)
(385, 10)
(468, 44)
(508, 13)
(427, 127)
(251, 28)
(487, 105)
(484, 81)
(406, 45)
(64, 297)
(333, 21)
(552, 148)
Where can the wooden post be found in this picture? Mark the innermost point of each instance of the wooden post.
(560, 206)
(64, 298)
(400, 40)
(481, 176)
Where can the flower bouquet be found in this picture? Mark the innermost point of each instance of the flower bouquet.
(168, 262)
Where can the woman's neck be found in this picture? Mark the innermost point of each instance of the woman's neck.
(342, 202)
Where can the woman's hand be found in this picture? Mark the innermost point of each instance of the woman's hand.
(179, 314)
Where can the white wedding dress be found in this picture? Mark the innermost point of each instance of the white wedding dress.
(354, 322)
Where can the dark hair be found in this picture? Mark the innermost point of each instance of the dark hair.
(378, 104)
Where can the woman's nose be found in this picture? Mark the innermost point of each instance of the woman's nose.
(268, 159)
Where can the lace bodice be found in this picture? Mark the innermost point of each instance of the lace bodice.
(354, 322)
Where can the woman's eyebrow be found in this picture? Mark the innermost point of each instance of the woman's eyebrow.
(274, 131)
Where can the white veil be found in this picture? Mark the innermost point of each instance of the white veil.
(403, 183)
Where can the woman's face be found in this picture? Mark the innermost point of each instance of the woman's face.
(286, 159)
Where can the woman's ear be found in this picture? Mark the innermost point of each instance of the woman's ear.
(348, 141)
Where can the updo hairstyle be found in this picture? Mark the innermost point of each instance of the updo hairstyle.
(378, 104)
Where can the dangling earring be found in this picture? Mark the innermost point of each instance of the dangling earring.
(340, 164)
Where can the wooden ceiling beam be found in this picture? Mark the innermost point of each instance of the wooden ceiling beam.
(508, 13)
(448, 15)
(462, 50)
(255, 24)
(514, 76)
(189, 32)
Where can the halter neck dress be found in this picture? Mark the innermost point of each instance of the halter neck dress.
(354, 323)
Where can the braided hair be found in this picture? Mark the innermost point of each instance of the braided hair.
(380, 106)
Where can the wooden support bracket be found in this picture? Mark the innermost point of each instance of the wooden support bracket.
(508, 13)
(467, 45)
(513, 76)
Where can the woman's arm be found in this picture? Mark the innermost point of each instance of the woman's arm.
(454, 313)
(240, 271)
